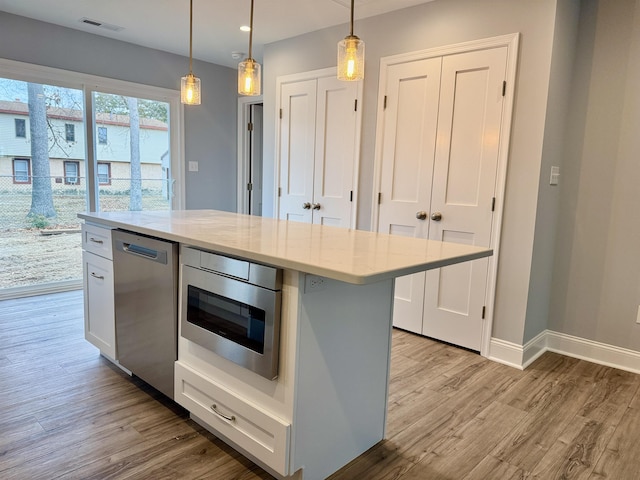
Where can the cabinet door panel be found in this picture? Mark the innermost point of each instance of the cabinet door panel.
(99, 316)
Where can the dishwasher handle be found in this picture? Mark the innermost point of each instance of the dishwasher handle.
(159, 256)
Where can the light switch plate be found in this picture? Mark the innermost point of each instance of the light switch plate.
(193, 166)
(555, 176)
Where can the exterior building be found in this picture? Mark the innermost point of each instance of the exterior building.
(67, 150)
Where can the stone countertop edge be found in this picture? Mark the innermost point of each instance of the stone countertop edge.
(282, 261)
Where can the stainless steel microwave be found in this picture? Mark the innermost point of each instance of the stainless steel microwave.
(232, 307)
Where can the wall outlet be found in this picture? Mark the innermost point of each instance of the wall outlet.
(313, 283)
(555, 176)
(193, 166)
(638, 317)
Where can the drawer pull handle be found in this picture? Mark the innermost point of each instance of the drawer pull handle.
(99, 277)
(228, 418)
(94, 240)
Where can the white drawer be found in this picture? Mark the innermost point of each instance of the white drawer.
(260, 433)
(97, 240)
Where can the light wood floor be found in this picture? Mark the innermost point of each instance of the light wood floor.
(67, 413)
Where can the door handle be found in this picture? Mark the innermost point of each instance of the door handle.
(436, 216)
(421, 215)
(316, 206)
(306, 205)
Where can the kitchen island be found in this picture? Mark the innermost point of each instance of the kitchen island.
(328, 404)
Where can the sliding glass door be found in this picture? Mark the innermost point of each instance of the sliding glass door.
(70, 143)
(132, 153)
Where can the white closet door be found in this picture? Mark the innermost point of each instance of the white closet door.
(409, 135)
(297, 145)
(336, 151)
(470, 114)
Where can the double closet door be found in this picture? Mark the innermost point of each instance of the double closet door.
(441, 129)
(318, 148)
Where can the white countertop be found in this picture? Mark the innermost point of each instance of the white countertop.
(352, 256)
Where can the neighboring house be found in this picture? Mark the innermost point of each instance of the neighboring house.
(67, 149)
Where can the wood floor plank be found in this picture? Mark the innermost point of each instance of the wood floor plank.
(574, 455)
(620, 459)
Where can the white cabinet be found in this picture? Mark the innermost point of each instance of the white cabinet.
(99, 312)
(318, 148)
(253, 429)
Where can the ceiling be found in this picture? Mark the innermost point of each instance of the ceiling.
(164, 24)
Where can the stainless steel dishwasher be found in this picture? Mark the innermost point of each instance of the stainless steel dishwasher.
(145, 273)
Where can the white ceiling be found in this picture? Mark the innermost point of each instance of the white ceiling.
(164, 24)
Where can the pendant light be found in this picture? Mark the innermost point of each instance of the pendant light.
(190, 85)
(351, 55)
(249, 69)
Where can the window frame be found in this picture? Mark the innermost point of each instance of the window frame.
(108, 182)
(22, 121)
(106, 138)
(13, 170)
(70, 131)
(67, 177)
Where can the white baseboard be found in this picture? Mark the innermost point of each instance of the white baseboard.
(521, 356)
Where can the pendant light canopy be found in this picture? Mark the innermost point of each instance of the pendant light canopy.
(351, 55)
(249, 69)
(190, 85)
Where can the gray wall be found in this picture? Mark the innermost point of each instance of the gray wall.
(562, 61)
(596, 282)
(431, 25)
(210, 129)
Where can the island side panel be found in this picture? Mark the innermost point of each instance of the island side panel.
(342, 373)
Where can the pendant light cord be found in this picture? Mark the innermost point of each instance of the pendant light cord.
(351, 29)
(190, 37)
(251, 29)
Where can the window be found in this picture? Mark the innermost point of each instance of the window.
(70, 132)
(21, 128)
(102, 135)
(71, 176)
(104, 173)
(21, 170)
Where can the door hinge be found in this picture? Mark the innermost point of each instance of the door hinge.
(504, 88)
(355, 105)
(279, 191)
(351, 196)
(250, 127)
(384, 106)
(493, 204)
(484, 310)
(250, 186)
(280, 113)
(379, 198)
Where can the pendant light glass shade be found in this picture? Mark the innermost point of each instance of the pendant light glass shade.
(249, 69)
(249, 77)
(190, 84)
(351, 58)
(190, 90)
(351, 55)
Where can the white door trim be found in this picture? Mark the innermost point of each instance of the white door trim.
(244, 105)
(511, 42)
